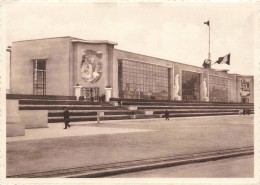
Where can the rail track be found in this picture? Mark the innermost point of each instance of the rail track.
(105, 170)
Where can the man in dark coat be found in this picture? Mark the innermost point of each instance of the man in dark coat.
(119, 103)
(166, 115)
(66, 118)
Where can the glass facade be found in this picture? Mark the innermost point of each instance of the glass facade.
(39, 77)
(139, 80)
(190, 86)
(219, 89)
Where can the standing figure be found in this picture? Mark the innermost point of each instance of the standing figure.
(119, 103)
(205, 90)
(177, 88)
(166, 115)
(66, 118)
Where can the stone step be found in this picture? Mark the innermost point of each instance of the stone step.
(90, 113)
(195, 111)
(200, 114)
(61, 114)
(174, 101)
(56, 102)
(179, 104)
(39, 97)
(70, 107)
(90, 118)
(189, 107)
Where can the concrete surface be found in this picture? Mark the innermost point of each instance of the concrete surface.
(225, 168)
(116, 141)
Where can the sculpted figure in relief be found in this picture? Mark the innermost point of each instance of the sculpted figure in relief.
(91, 66)
(177, 88)
(205, 90)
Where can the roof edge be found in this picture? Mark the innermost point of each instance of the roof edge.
(93, 41)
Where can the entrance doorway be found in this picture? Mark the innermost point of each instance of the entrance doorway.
(90, 93)
(190, 86)
(244, 100)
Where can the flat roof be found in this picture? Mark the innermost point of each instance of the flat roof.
(74, 39)
(93, 41)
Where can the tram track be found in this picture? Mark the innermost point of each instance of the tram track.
(105, 170)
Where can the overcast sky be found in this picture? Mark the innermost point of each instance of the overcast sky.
(174, 32)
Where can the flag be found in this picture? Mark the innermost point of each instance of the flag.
(224, 60)
(207, 23)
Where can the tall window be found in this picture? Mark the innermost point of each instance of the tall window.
(139, 80)
(190, 86)
(39, 77)
(219, 89)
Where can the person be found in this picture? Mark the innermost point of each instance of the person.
(119, 103)
(66, 118)
(166, 115)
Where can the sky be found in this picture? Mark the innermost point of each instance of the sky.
(174, 32)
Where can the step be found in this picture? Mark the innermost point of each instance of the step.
(188, 107)
(42, 97)
(200, 114)
(61, 114)
(56, 102)
(194, 111)
(143, 116)
(90, 113)
(90, 118)
(180, 104)
(87, 107)
(174, 101)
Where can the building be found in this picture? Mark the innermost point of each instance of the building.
(59, 66)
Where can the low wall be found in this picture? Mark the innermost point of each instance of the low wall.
(34, 118)
(14, 126)
(15, 129)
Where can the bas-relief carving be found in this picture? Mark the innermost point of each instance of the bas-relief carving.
(177, 88)
(245, 88)
(91, 66)
(205, 90)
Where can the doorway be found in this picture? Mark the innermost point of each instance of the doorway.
(90, 93)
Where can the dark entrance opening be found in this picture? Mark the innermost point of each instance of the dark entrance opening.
(90, 93)
(245, 100)
(190, 86)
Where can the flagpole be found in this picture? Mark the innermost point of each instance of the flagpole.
(209, 44)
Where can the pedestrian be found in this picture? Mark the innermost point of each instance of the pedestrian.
(66, 118)
(119, 103)
(166, 115)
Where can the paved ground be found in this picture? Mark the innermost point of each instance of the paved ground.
(225, 168)
(116, 141)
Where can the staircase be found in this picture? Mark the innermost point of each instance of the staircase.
(79, 110)
(186, 109)
(130, 109)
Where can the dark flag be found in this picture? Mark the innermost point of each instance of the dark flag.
(224, 60)
(207, 23)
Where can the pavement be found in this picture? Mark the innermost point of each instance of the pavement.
(225, 168)
(89, 143)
